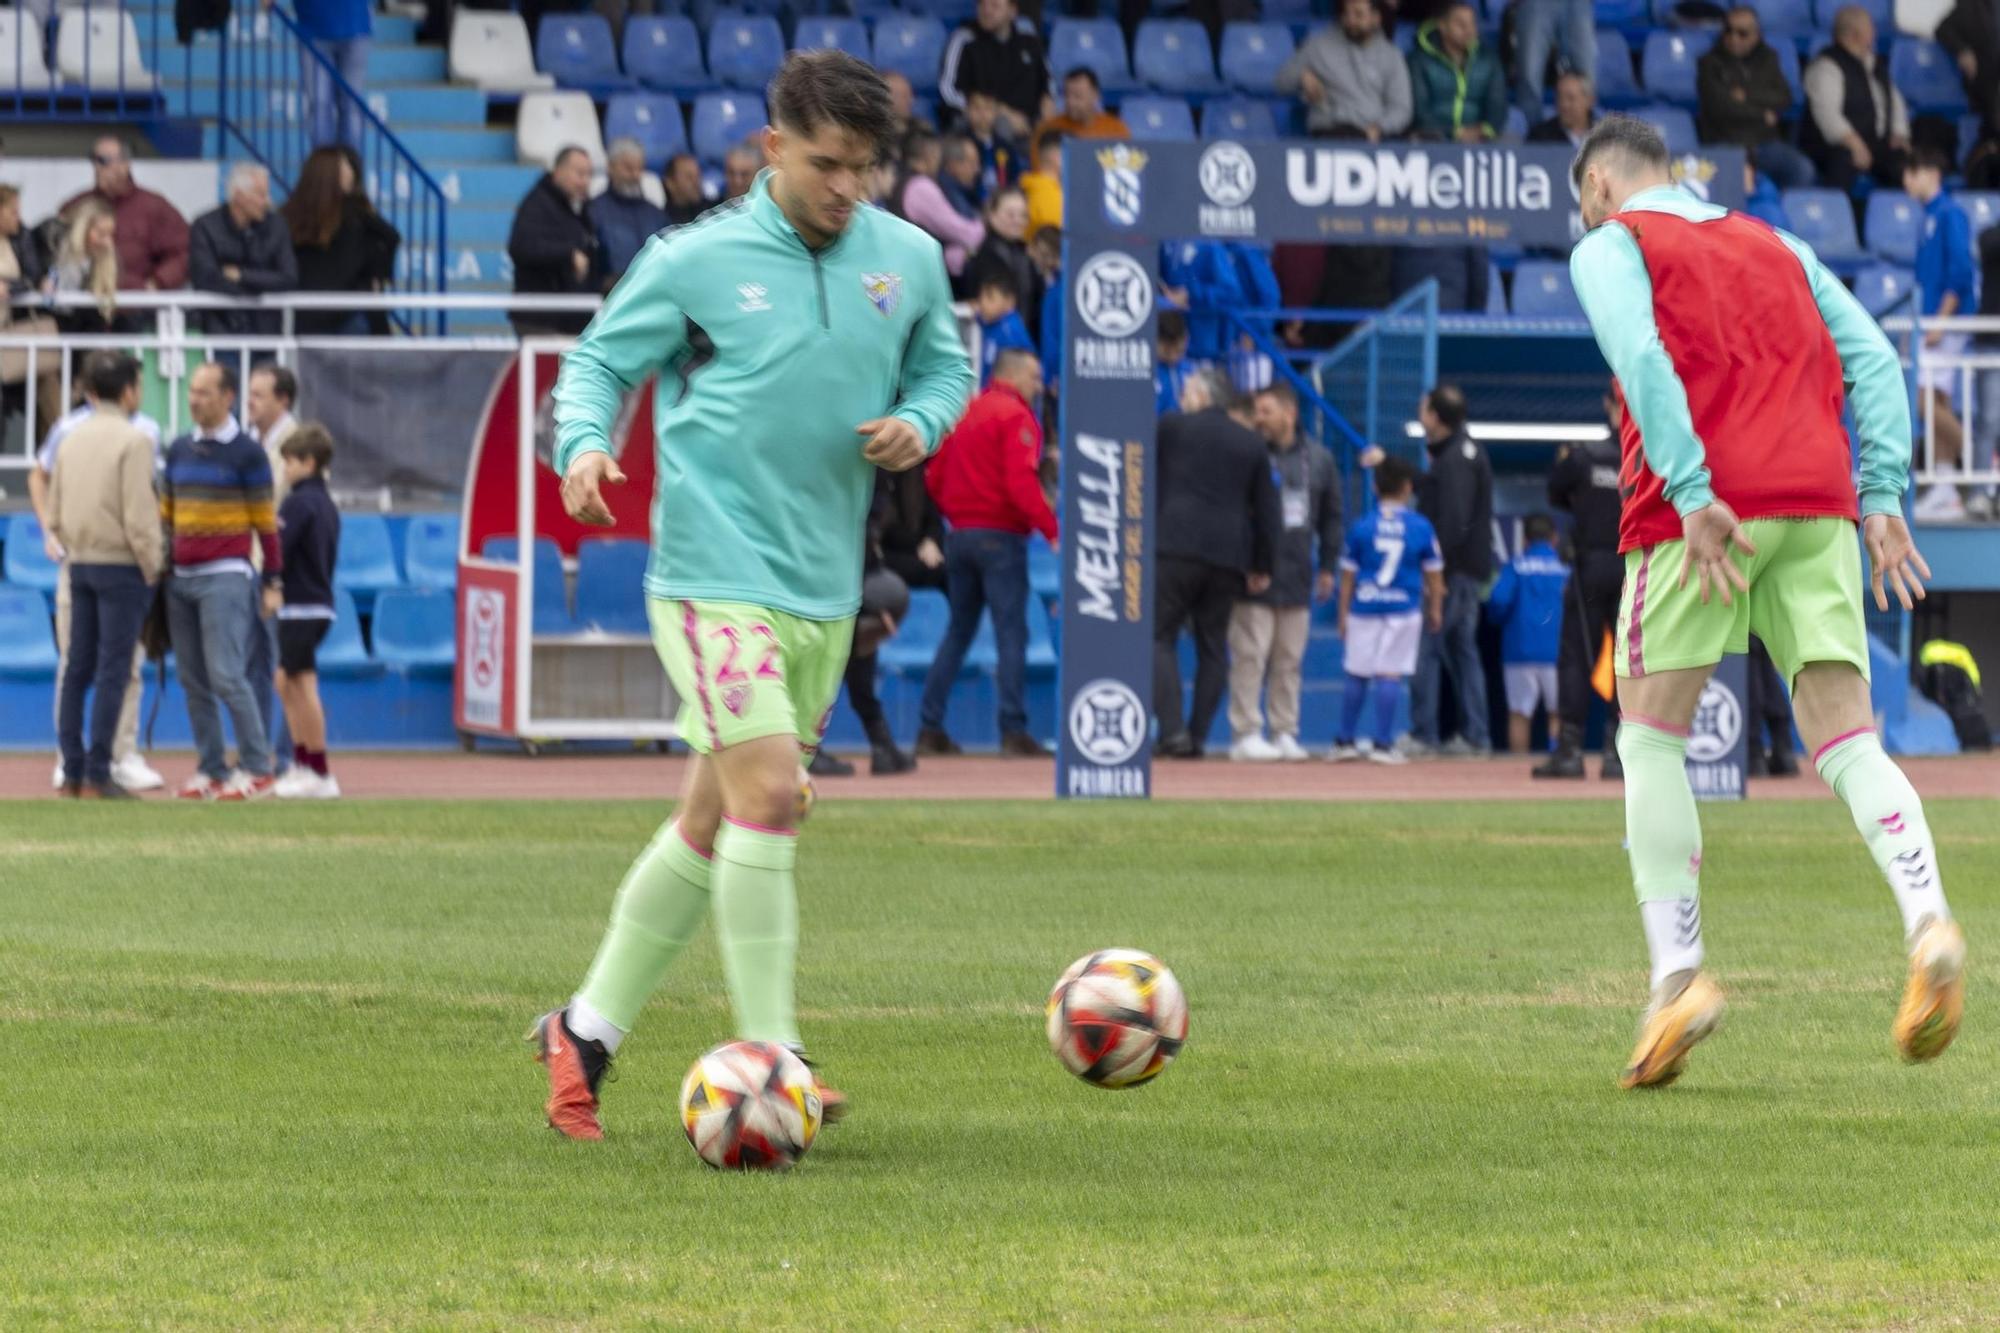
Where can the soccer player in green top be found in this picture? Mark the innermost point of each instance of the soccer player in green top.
(802, 338)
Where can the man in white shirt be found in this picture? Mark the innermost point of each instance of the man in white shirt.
(1856, 123)
(267, 414)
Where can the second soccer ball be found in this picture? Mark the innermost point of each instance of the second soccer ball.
(1117, 1017)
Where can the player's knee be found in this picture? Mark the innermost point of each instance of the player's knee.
(769, 797)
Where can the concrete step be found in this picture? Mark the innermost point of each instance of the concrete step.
(479, 226)
(203, 62)
(493, 186)
(440, 148)
(429, 104)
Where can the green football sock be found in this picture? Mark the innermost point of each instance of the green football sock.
(757, 918)
(1891, 819)
(1663, 833)
(659, 907)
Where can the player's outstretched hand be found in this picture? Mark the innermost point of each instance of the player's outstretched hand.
(893, 443)
(1710, 532)
(1892, 556)
(582, 498)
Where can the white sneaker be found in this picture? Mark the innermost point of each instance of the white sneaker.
(302, 784)
(1341, 754)
(133, 773)
(1941, 503)
(1254, 750)
(1390, 757)
(246, 786)
(57, 784)
(291, 783)
(1979, 505)
(1289, 748)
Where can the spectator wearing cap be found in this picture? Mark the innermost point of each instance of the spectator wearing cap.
(1856, 123)
(1350, 76)
(999, 55)
(242, 249)
(152, 238)
(626, 219)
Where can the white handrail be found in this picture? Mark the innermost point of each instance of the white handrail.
(194, 300)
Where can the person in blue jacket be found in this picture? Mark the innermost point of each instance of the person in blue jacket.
(1211, 276)
(1527, 604)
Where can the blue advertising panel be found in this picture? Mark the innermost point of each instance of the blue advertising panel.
(1719, 738)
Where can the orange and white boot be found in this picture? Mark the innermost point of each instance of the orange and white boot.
(1670, 1029)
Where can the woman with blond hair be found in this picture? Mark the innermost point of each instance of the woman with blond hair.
(87, 261)
(22, 314)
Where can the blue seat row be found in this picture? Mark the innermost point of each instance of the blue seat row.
(923, 628)
(610, 594)
(1668, 62)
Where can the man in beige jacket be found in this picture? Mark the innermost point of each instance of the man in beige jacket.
(104, 512)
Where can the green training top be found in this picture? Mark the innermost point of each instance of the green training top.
(769, 355)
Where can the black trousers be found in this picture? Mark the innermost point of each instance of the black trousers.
(1590, 607)
(1191, 592)
(860, 675)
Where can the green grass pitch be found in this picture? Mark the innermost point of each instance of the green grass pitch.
(264, 1069)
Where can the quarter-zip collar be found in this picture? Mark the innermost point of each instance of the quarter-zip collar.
(772, 218)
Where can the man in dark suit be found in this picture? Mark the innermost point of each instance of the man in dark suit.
(1218, 530)
(1576, 112)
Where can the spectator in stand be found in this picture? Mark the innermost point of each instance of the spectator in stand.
(341, 243)
(1456, 495)
(26, 275)
(1267, 631)
(1979, 503)
(1946, 286)
(1000, 324)
(997, 54)
(1584, 484)
(303, 612)
(342, 31)
(1744, 100)
(152, 237)
(903, 103)
(216, 504)
(740, 166)
(626, 219)
(1391, 592)
(1576, 111)
(1351, 77)
(1856, 124)
(1083, 115)
(921, 199)
(87, 262)
(682, 182)
(1006, 248)
(1456, 85)
(242, 249)
(963, 177)
(1000, 159)
(1971, 33)
(383, 239)
(105, 517)
(986, 481)
(1526, 602)
(1218, 531)
(906, 544)
(1046, 251)
(554, 244)
(267, 419)
(1536, 38)
(1170, 360)
(1043, 187)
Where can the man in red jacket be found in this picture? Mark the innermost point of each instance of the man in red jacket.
(152, 236)
(986, 481)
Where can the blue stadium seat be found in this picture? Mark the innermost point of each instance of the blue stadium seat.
(1542, 290)
(1287, 11)
(341, 652)
(1789, 66)
(1252, 54)
(1238, 118)
(1044, 569)
(1174, 56)
(1824, 220)
(745, 50)
(1968, 135)
(664, 53)
(1616, 84)
(551, 596)
(1094, 44)
(949, 12)
(1784, 18)
(367, 558)
(1668, 65)
(415, 628)
(609, 574)
(1621, 13)
(1893, 226)
(818, 32)
(1924, 73)
(1880, 287)
(721, 120)
(578, 50)
(430, 551)
(911, 45)
(27, 564)
(653, 119)
(1982, 210)
(27, 634)
(1675, 124)
(1041, 637)
(919, 634)
(1496, 291)
(1157, 118)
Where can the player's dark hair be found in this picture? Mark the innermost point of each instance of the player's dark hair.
(1538, 528)
(675, 161)
(829, 87)
(563, 155)
(998, 279)
(1634, 141)
(1282, 391)
(108, 373)
(1393, 476)
(1172, 327)
(311, 441)
(1050, 139)
(1448, 404)
(1930, 156)
(918, 142)
(225, 378)
(283, 382)
(1087, 73)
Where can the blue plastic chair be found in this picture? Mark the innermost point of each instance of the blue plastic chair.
(609, 584)
(27, 634)
(1542, 290)
(1041, 638)
(651, 119)
(1094, 44)
(1496, 291)
(1675, 124)
(1788, 65)
(1252, 54)
(1824, 220)
(27, 564)
(1668, 65)
(1157, 118)
(1238, 118)
(1621, 13)
(664, 53)
(1784, 18)
(415, 629)
(1893, 226)
(551, 614)
(721, 120)
(1616, 84)
(1044, 569)
(1982, 210)
(430, 551)
(1926, 75)
(745, 50)
(367, 558)
(341, 652)
(919, 633)
(911, 45)
(578, 50)
(1174, 56)
(827, 32)
(1880, 287)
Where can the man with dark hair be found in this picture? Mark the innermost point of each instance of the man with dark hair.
(554, 245)
(1526, 602)
(1083, 115)
(1856, 123)
(996, 53)
(1736, 353)
(802, 339)
(682, 181)
(267, 417)
(1584, 484)
(1745, 99)
(1170, 364)
(1947, 285)
(740, 166)
(1351, 77)
(1576, 111)
(1456, 495)
(1457, 89)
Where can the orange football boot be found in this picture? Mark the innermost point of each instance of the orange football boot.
(575, 1069)
(1934, 999)
(1670, 1031)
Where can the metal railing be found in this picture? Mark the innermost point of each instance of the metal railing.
(127, 90)
(1969, 374)
(1376, 374)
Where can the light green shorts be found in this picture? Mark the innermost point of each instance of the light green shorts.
(1804, 602)
(744, 672)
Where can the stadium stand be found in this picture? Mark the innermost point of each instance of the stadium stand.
(1616, 84)
(1880, 287)
(1173, 55)
(1093, 44)
(21, 34)
(367, 562)
(1667, 67)
(551, 615)
(491, 51)
(745, 50)
(27, 635)
(720, 121)
(100, 48)
(1893, 226)
(27, 564)
(1542, 290)
(832, 32)
(344, 652)
(608, 592)
(1824, 220)
(1238, 118)
(663, 52)
(577, 49)
(550, 122)
(1252, 54)
(430, 551)
(653, 120)
(1926, 76)
(1152, 117)
(912, 45)
(413, 629)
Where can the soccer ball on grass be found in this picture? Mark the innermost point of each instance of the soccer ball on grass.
(1117, 1017)
(750, 1106)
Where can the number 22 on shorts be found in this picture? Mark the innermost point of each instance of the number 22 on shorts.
(730, 671)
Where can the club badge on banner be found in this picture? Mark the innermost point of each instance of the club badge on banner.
(1718, 750)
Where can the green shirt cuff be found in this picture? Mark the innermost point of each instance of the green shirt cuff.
(931, 446)
(569, 453)
(1882, 502)
(1694, 497)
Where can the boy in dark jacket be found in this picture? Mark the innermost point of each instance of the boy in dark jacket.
(309, 536)
(1527, 604)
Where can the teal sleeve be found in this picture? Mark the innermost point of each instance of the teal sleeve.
(1616, 292)
(639, 330)
(1877, 392)
(937, 374)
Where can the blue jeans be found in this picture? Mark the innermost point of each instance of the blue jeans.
(1788, 168)
(984, 569)
(107, 606)
(1453, 651)
(330, 117)
(1535, 24)
(210, 618)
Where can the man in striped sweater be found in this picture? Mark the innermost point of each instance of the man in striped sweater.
(216, 503)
